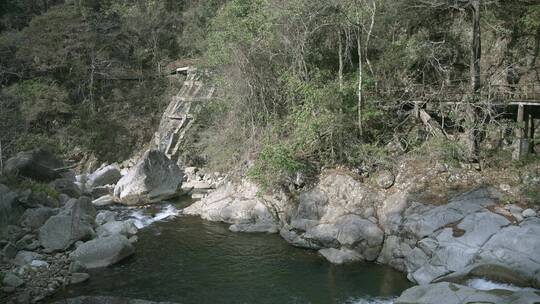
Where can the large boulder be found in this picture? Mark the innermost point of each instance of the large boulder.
(517, 247)
(126, 228)
(449, 293)
(61, 231)
(82, 208)
(238, 206)
(103, 252)
(107, 175)
(36, 164)
(154, 178)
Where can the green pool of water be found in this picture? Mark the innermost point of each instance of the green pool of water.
(188, 260)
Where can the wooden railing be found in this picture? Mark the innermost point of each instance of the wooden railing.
(457, 93)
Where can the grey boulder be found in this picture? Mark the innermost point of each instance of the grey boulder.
(61, 231)
(36, 164)
(12, 280)
(106, 300)
(450, 293)
(154, 178)
(66, 186)
(126, 228)
(107, 175)
(35, 218)
(103, 252)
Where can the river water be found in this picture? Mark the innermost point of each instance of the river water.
(188, 260)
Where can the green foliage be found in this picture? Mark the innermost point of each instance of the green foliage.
(531, 19)
(41, 103)
(449, 151)
(241, 25)
(275, 164)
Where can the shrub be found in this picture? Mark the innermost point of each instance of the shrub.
(275, 165)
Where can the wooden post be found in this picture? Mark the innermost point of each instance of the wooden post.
(1, 159)
(521, 144)
(531, 142)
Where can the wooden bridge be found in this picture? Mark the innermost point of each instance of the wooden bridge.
(521, 102)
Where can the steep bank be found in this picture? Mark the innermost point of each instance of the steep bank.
(444, 224)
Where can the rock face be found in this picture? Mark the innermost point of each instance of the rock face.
(238, 206)
(435, 241)
(337, 214)
(103, 252)
(154, 178)
(469, 235)
(449, 293)
(36, 164)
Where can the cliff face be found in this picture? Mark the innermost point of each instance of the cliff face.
(181, 113)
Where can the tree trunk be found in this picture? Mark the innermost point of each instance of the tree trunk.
(471, 115)
(476, 48)
(360, 75)
(340, 50)
(1, 159)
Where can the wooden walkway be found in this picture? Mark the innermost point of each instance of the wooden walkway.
(522, 102)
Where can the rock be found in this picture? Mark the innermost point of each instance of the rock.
(491, 272)
(61, 231)
(107, 175)
(30, 199)
(39, 264)
(35, 218)
(238, 206)
(26, 257)
(76, 267)
(9, 251)
(190, 170)
(516, 247)
(8, 200)
(80, 208)
(105, 200)
(385, 179)
(15, 233)
(66, 186)
(36, 164)
(340, 256)
(104, 217)
(528, 213)
(100, 191)
(126, 228)
(103, 252)
(196, 186)
(106, 300)
(424, 220)
(78, 277)
(154, 178)
(12, 280)
(269, 227)
(349, 231)
(26, 241)
(449, 293)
